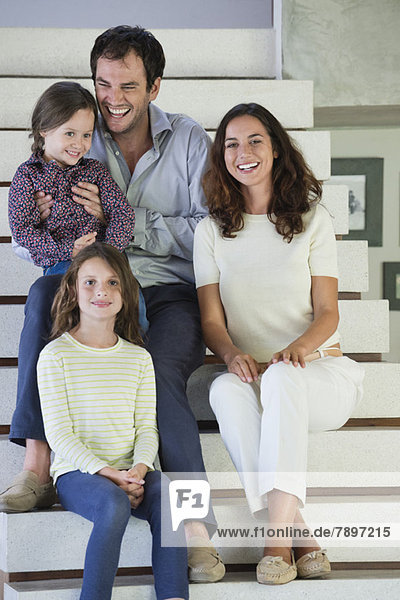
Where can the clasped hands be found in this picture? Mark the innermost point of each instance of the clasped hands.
(131, 481)
(248, 369)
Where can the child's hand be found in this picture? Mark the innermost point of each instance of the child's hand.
(136, 492)
(138, 472)
(82, 242)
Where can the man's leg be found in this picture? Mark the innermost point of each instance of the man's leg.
(174, 341)
(31, 488)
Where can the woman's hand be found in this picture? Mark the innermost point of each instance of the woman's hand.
(244, 366)
(89, 198)
(82, 242)
(295, 353)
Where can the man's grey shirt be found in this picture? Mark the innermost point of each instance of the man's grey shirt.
(166, 193)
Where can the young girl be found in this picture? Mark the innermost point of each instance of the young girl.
(97, 393)
(62, 125)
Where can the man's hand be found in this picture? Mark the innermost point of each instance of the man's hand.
(44, 203)
(82, 242)
(89, 198)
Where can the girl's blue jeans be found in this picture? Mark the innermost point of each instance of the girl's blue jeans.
(105, 504)
(62, 267)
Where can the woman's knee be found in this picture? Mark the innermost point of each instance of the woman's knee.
(281, 373)
(224, 390)
(282, 381)
(234, 402)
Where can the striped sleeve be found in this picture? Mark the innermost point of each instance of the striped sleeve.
(56, 417)
(146, 434)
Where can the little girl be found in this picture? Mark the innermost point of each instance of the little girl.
(97, 393)
(62, 125)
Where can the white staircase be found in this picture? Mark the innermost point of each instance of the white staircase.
(353, 473)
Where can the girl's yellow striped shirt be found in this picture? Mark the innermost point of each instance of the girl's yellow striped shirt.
(98, 405)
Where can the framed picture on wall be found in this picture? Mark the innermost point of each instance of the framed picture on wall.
(391, 284)
(364, 179)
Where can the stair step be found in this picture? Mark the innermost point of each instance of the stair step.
(381, 391)
(57, 539)
(364, 326)
(18, 275)
(290, 101)
(332, 454)
(381, 388)
(357, 585)
(224, 52)
(344, 458)
(15, 149)
(334, 197)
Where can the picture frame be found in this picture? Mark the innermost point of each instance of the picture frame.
(364, 178)
(391, 284)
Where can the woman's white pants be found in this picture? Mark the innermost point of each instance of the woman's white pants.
(265, 424)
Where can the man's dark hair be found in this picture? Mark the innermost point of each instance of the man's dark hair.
(117, 42)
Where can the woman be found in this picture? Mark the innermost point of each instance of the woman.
(266, 273)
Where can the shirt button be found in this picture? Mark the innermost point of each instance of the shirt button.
(117, 153)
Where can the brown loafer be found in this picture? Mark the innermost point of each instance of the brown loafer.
(26, 493)
(204, 562)
(273, 570)
(313, 564)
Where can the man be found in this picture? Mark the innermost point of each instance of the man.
(158, 160)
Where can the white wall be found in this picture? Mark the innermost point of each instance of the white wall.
(152, 14)
(379, 143)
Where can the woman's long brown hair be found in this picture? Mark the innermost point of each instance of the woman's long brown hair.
(295, 187)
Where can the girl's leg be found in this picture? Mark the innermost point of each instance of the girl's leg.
(238, 412)
(169, 562)
(101, 501)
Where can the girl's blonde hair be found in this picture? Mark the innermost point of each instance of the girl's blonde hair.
(65, 310)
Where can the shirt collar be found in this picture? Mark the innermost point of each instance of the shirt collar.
(37, 158)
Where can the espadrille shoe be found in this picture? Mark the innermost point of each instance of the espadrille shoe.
(205, 564)
(313, 564)
(26, 493)
(273, 570)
